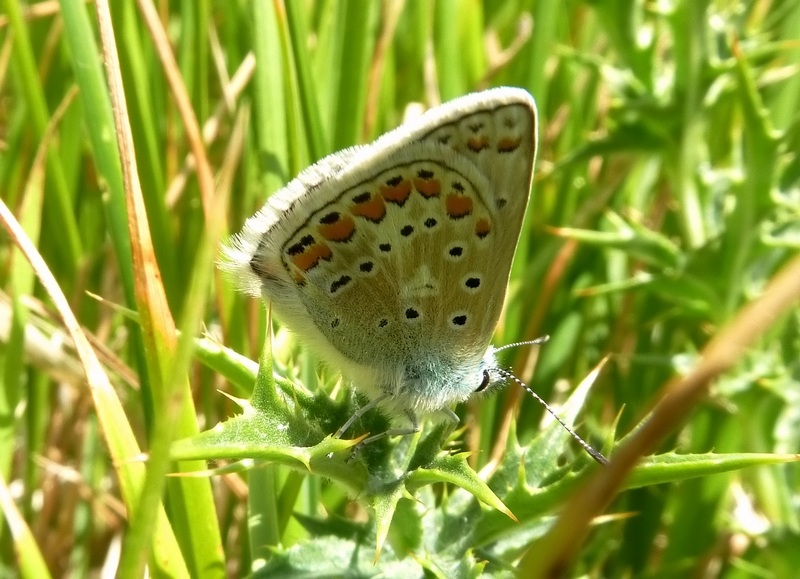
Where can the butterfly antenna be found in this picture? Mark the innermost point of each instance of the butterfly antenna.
(535, 342)
(592, 452)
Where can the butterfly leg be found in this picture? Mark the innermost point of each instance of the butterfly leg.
(452, 423)
(413, 429)
(359, 413)
(451, 416)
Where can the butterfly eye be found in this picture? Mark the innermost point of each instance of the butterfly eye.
(485, 382)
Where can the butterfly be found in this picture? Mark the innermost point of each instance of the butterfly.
(391, 260)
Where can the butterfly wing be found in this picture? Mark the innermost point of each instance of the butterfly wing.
(393, 259)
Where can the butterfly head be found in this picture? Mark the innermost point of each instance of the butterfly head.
(490, 378)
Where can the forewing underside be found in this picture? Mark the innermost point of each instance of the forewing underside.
(404, 250)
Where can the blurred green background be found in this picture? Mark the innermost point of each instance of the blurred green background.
(668, 161)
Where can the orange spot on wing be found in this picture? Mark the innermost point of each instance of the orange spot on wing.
(507, 145)
(373, 209)
(477, 144)
(483, 227)
(311, 256)
(458, 206)
(428, 187)
(340, 230)
(398, 193)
